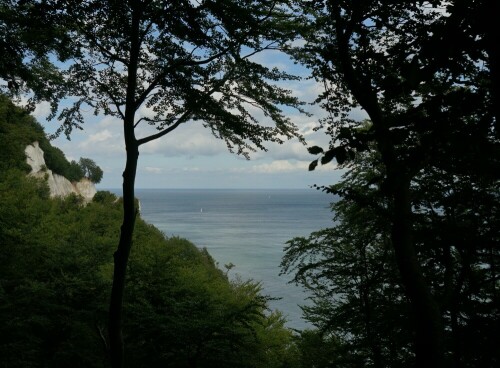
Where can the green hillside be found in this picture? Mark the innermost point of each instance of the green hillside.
(18, 129)
(55, 277)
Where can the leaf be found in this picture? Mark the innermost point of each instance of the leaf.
(315, 150)
(329, 155)
(340, 155)
(313, 165)
(345, 133)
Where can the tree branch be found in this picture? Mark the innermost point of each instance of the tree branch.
(182, 119)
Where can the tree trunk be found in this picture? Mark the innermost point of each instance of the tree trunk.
(428, 328)
(129, 212)
(121, 259)
(427, 317)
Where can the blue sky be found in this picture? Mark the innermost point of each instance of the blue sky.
(190, 157)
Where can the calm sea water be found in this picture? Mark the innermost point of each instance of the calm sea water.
(248, 228)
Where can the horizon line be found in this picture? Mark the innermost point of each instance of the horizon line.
(198, 188)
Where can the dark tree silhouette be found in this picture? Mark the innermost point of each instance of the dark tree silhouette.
(424, 72)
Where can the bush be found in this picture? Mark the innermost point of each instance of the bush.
(104, 197)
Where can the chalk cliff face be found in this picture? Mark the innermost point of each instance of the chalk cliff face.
(59, 185)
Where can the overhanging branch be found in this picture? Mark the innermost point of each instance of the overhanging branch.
(182, 119)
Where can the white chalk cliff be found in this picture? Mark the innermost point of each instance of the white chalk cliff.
(59, 185)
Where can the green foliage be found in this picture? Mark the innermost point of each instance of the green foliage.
(105, 197)
(29, 33)
(432, 100)
(73, 171)
(52, 293)
(358, 304)
(17, 130)
(57, 162)
(358, 297)
(90, 170)
(320, 350)
(181, 309)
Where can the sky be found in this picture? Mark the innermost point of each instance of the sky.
(190, 157)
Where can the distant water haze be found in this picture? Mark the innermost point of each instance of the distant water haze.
(248, 228)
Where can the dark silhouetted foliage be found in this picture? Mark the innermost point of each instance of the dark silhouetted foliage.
(426, 74)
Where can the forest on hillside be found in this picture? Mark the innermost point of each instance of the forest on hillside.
(56, 271)
(406, 276)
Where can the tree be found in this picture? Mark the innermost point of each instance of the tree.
(90, 170)
(30, 34)
(424, 72)
(184, 62)
(350, 269)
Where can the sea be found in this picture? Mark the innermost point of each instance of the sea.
(246, 228)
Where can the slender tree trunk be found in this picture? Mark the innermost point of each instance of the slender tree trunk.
(129, 212)
(121, 259)
(427, 317)
(428, 327)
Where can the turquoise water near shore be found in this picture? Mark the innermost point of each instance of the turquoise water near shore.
(248, 228)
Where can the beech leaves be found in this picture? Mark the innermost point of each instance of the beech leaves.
(342, 154)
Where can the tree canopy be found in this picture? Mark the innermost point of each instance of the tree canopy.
(90, 170)
(32, 37)
(424, 73)
(178, 62)
(358, 296)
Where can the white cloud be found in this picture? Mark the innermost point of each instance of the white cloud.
(273, 59)
(283, 166)
(308, 129)
(286, 166)
(279, 166)
(99, 137)
(42, 110)
(107, 142)
(189, 140)
(153, 170)
(191, 169)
